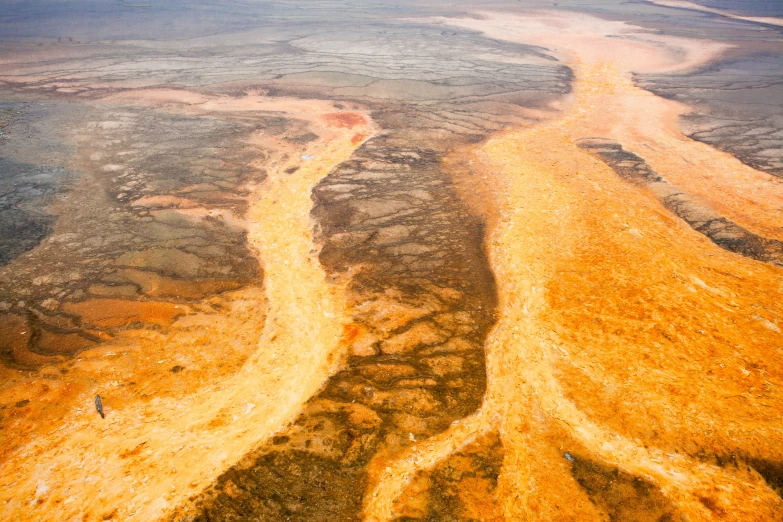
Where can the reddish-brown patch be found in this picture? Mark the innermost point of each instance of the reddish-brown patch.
(344, 120)
(358, 138)
(119, 312)
(350, 332)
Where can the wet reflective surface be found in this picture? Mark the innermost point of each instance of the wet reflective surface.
(391, 261)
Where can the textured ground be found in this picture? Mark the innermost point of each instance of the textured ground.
(391, 261)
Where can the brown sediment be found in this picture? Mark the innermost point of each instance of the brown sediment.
(156, 285)
(463, 487)
(621, 495)
(421, 300)
(624, 337)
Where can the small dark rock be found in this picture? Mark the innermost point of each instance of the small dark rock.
(99, 406)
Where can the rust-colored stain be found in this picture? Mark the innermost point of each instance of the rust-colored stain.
(350, 332)
(118, 312)
(358, 138)
(345, 120)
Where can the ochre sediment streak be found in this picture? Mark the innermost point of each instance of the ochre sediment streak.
(119, 466)
(623, 336)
